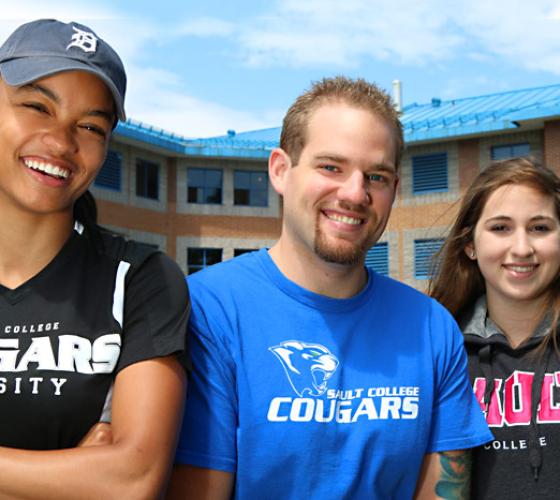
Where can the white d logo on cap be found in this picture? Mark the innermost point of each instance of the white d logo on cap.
(84, 40)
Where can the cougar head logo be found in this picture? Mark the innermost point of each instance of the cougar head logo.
(307, 366)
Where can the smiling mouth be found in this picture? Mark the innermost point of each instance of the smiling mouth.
(344, 218)
(48, 169)
(522, 269)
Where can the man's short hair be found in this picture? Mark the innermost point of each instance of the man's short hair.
(359, 93)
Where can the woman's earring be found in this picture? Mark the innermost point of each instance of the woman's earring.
(473, 254)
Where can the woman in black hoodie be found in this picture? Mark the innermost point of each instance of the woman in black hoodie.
(498, 274)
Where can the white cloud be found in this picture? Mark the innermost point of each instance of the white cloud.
(311, 34)
(403, 32)
(22, 11)
(126, 34)
(523, 33)
(16, 13)
(154, 96)
(331, 32)
(336, 33)
(156, 99)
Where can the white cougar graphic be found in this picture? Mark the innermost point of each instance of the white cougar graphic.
(307, 366)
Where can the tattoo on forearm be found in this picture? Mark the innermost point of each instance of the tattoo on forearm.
(454, 482)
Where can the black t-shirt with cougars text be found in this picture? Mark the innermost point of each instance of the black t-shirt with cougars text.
(99, 306)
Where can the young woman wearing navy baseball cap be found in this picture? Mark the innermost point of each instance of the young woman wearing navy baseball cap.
(90, 324)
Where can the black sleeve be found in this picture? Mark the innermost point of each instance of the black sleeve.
(156, 310)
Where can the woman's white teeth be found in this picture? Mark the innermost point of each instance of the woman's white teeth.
(345, 219)
(48, 169)
(521, 269)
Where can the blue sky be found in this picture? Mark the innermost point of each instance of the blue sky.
(199, 68)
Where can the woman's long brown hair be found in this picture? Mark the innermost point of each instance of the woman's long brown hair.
(457, 281)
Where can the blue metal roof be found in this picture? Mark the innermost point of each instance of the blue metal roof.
(151, 135)
(479, 115)
(253, 144)
(436, 120)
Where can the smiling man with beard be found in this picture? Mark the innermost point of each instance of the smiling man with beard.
(281, 337)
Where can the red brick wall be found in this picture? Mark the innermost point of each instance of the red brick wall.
(469, 163)
(173, 224)
(551, 154)
(172, 206)
(418, 216)
(408, 217)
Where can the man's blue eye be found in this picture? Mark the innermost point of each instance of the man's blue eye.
(376, 178)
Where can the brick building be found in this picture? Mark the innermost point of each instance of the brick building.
(207, 200)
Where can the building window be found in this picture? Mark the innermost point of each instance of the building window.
(153, 246)
(204, 185)
(109, 177)
(250, 188)
(199, 258)
(429, 173)
(147, 179)
(378, 258)
(240, 251)
(424, 251)
(510, 151)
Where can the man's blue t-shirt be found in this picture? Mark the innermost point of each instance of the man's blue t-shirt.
(303, 395)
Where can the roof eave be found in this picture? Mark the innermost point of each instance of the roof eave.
(160, 142)
(455, 132)
(227, 152)
(548, 113)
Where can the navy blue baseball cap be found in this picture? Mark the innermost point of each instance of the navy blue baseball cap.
(45, 47)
